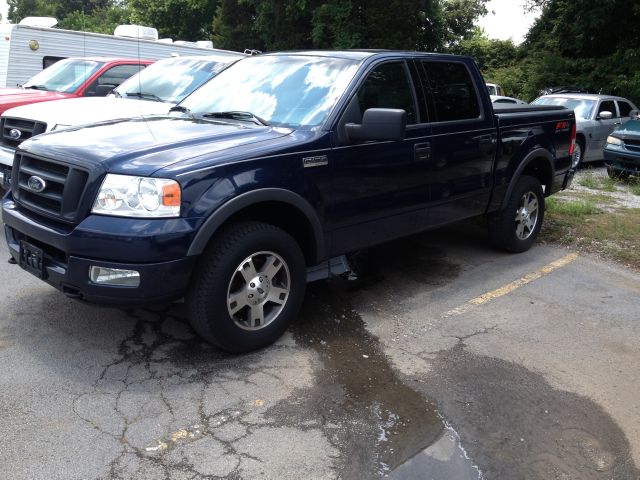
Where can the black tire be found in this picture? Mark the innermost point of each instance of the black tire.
(616, 174)
(503, 225)
(207, 299)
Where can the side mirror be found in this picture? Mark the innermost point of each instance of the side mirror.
(605, 115)
(104, 90)
(379, 124)
(635, 114)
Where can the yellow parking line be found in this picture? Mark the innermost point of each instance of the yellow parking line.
(510, 287)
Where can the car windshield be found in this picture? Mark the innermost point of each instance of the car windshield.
(64, 76)
(582, 107)
(171, 79)
(290, 91)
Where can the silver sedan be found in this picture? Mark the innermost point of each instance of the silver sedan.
(596, 117)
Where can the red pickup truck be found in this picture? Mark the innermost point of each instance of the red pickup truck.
(72, 77)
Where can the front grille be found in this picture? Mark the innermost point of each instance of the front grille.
(63, 187)
(26, 128)
(633, 145)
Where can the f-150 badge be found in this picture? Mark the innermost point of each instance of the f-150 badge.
(315, 161)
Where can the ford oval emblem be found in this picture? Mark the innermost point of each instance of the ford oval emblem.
(36, 184)
(15, 133)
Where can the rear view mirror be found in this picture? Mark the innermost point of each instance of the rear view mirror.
(379, 124)
(605, 115)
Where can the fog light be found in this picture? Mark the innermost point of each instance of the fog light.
(114, 276)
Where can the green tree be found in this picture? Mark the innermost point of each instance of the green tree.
(178, 19)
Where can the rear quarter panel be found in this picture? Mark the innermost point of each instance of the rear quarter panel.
(523, 132)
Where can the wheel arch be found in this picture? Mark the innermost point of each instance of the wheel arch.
(538, 164)
(279, 207)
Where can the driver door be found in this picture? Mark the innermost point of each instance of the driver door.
(380, 188)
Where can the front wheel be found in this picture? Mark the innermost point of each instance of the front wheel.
(516, 227)
(578, 154)
(248, 287)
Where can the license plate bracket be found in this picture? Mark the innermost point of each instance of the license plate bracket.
(32, 259)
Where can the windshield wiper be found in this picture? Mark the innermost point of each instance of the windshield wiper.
(238, 115)
(145, 95)
(37, 87)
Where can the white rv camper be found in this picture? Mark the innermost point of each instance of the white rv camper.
(33, 44)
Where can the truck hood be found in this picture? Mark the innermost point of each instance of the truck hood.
(80, 111)
(141, 146)
(14, 97)
(630, 129)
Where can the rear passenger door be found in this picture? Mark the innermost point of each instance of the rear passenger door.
(380, 189)
(463, 143)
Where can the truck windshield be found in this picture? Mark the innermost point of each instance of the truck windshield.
(582, 107)
(171, 79)
(64, 76)
(290, 91)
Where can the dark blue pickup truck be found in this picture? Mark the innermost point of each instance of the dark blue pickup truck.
(269, 174)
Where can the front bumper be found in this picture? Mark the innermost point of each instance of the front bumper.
(165, 269)
(622, 160)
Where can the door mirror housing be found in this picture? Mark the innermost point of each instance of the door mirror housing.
(605, 115)
(382, 124)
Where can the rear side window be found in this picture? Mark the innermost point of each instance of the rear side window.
(625, 108)
(453, 91)
(388, 86)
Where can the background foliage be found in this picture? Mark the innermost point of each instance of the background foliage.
(594, 44)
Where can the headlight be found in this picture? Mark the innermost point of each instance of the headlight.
(60, 126)
(611, 140)
(127, 196)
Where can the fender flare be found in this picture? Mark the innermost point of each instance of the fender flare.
(530, 157)
(233, 206)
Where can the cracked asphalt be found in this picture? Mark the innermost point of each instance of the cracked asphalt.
(376, 378)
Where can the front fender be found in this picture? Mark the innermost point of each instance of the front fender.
(244, 200)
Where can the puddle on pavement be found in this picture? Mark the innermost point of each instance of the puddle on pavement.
(384, 422)
(445, 459)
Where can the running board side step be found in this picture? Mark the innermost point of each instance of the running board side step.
(331, 268)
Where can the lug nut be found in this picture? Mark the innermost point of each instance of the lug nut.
(253, 285)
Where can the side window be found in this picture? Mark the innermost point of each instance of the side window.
(388, 86)
(607, 106)
(625, 108)
(453, 91)
(111, 79)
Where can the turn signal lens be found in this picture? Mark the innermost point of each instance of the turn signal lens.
(171, 195)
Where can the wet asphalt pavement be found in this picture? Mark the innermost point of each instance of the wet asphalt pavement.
(395, 374)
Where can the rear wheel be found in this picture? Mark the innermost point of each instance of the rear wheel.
(248, 288)
(516, 227)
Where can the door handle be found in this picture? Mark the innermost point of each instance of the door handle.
(422, 151)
